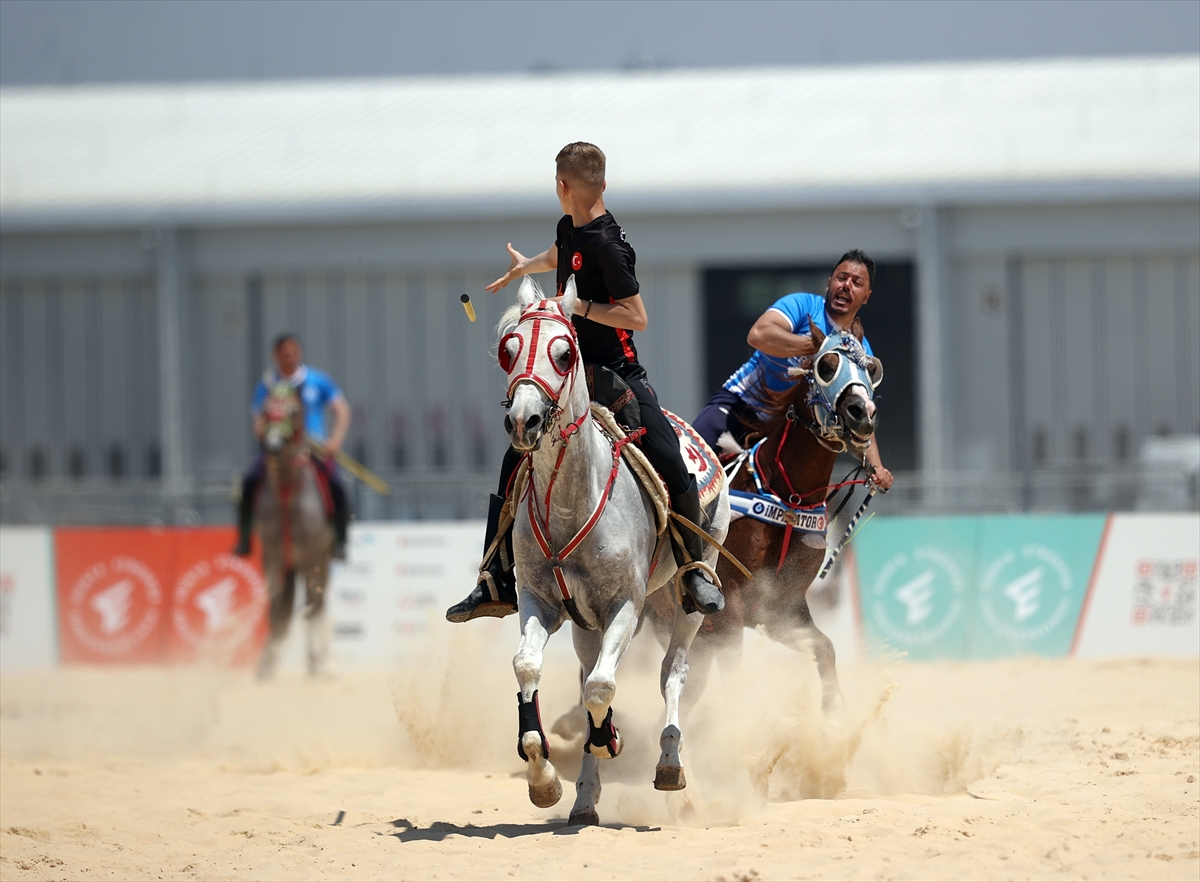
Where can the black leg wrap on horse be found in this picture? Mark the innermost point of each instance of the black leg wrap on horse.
(529, 719)
(605, 737)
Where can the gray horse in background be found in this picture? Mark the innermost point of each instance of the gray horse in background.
(296, 535)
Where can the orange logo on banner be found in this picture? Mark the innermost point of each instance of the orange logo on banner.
(110, 594)
(218, 603)
(134, 595)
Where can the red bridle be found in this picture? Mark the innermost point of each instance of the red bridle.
(540, 312)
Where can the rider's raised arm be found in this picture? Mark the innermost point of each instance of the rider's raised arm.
(772, 334)
(522, 266)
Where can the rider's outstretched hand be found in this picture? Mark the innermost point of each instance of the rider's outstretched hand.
(515, 270)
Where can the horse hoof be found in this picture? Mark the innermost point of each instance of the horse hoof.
(584, 818)
(546, 795)
(669, 778)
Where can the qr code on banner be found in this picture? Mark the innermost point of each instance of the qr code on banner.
(1164, 592)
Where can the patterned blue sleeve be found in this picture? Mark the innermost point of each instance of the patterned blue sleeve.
(328, 390)
(260, 395)
(795, 308)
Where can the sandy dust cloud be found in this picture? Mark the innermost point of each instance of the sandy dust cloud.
(1028, 768)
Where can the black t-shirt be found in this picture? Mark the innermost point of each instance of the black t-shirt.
(602, 263)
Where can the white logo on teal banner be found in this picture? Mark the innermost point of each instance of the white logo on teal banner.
(1026, 595)
(917, 598)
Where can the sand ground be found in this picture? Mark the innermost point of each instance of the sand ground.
(1026, 769)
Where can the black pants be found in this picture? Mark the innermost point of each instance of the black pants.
(725, 412)
(660, 443)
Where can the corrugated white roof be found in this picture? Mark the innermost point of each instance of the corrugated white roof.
(209, 146)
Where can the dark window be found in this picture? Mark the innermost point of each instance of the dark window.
(1081, 444)
(116, 461)
(735, 297)
(1121, 444)
(399, 454)
(77, 463)
(1039, 446)
(3, 464)
(37, 464)
(154, 461)
(360, 451)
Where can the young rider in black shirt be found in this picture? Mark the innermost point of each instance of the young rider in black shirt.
(591, 246)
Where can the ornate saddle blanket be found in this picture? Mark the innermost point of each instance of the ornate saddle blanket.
(615, 397)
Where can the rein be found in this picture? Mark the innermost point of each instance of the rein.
(795, 499)
(541, 524)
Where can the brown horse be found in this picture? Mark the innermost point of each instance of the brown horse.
(296, 536)
(828, 411)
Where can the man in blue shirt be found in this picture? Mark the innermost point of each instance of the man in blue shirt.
(317, 392)
(781, 338)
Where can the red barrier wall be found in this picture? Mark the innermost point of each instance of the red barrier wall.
(145, 595)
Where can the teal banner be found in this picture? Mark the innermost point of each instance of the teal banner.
(978, 587)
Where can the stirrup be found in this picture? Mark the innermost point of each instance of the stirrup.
(689, 603)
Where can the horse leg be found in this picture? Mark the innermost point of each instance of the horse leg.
(587, 786)
(599, 654)
(668, 773)
(282, 587)
(315, 581)
(545, 789)
(796, 630)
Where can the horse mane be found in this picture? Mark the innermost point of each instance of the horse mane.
(770, 408)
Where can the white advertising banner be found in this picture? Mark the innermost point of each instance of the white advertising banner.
(396, 584)
(1143, 599)
(27, 607)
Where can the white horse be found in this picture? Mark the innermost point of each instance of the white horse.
(587, 547)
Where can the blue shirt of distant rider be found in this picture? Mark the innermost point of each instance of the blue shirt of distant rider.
(317, 391)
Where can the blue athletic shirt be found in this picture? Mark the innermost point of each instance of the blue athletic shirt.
(317, 391)
(801, 310)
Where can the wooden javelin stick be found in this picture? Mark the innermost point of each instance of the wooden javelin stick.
(357, 469)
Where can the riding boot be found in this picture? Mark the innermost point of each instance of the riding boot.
(245, 517)
(697, 588)
(495, 592)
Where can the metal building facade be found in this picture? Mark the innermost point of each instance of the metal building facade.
(1057, 304)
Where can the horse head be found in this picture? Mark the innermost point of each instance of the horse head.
(841, 394)
(539, 351)
(283, 413)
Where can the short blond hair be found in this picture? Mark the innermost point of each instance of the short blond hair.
(582, 164)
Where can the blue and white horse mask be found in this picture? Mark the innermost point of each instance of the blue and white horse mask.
(841, 391)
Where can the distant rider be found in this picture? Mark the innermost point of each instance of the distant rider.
(317, 393)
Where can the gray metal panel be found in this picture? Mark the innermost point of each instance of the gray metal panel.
(977, 376)
(1071, 227)
(219, 395)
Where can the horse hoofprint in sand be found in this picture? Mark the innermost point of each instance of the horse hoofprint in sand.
(587, 547)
